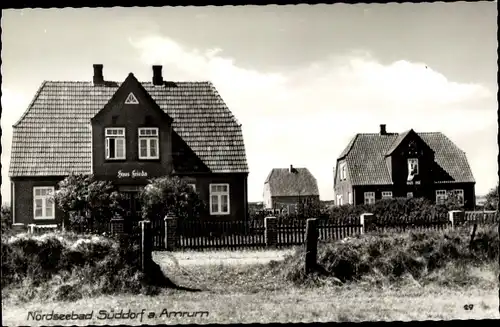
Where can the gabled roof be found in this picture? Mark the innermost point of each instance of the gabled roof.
(367, 165)
(299, 182)
(53, 137)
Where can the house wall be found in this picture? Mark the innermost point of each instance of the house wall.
(290, 202)
(268, 201)
(342, 187)
(237, 193)
(22, 196)
(428, 191)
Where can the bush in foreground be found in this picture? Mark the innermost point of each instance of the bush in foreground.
(393, 256)
(64, 266)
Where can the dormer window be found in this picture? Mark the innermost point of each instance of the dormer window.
(115, 143)
(148, 143)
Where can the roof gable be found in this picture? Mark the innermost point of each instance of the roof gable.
(53, 137)
(401, 138)
(299, 182)
(130, 91)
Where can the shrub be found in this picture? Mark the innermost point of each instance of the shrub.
(165, 195)
(62, 267)
(88, 201)
(6, 218)
(393, 256)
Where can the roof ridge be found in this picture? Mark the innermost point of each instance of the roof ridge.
(119, 82)
(37, 94)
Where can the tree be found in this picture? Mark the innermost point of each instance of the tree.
(88, 201)
(492, 199)
(167, 194)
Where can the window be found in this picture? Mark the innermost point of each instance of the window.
(115, 143)
(459, 194)
(343, 171)
(339, 200)
(219, 199)
(193, 186)
(369, 197)
(409, 195)
(148, 143)
(350, 198)
(43, 205)
(412, 166)
(440, 196)
(387, 195)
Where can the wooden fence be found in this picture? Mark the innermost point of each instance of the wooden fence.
(279, 232)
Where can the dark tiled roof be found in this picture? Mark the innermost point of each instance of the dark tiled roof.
(301, 182)
(53, 137)
(367, 165)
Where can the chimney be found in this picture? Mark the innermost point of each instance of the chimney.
(291, 169)
(98, 77)
(383, 131)
(157, 77)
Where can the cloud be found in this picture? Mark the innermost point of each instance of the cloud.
(13, 106)
(306, 116)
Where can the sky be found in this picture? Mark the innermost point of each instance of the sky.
(302, 80)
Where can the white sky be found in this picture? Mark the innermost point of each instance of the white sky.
(300, 93)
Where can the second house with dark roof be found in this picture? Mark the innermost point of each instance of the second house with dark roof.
(127, 132)
(384, 165)
(285, 188)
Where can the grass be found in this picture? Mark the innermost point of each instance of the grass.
(238, 294)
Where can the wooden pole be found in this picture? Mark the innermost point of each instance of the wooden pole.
(311, 245)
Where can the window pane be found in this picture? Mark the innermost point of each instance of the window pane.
(213, 188)
(144, 148)
(154, 147)
(111, 148)
(48, 210)
(225, 204)
(38, 203)
(215, 203)
(37, 191)
(120, 148)
(38, 212)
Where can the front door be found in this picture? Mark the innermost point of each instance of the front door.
(132, 206)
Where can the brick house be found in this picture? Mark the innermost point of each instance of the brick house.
(384, 165)
(284, 188)
(127, 132)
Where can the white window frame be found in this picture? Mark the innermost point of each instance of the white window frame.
(461, 193)
(413, 162)
(409, 195)
(109, 134)
(350, 198)
(386, 194)
(339, 200)
(155, 136)
(369, 197)
(46, 201)
(219, 195)
(441, 194)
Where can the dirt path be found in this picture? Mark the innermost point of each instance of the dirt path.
(189, 258)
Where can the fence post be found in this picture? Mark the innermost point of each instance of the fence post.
(271, 231)
(146, 244)
(311, 244)
(456, 217)
(367, 221)
(117, 226)
(171, 235)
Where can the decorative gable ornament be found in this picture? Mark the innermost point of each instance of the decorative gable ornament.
(131, 99)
